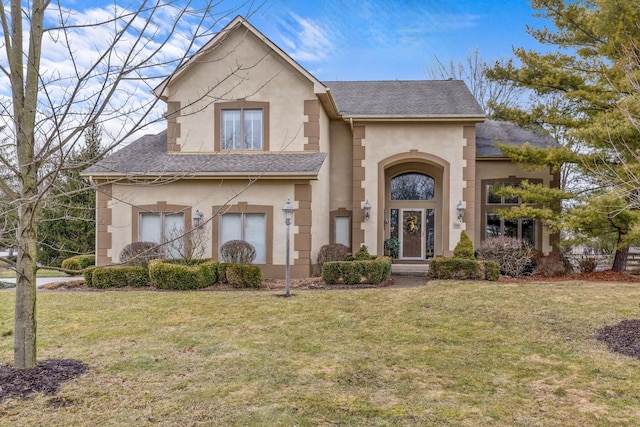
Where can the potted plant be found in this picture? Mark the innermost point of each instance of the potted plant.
(393, 246)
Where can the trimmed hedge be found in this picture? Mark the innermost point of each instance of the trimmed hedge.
(171, 275)
(243, 276)
(118, 277)
(463, 269)
(78, 262)
(352, 272)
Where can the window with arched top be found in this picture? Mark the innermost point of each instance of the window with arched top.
(412, 186)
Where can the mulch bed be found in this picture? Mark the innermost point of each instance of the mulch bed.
(623, 338)
(45, 378)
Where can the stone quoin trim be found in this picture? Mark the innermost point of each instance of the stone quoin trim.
(357, 233)
(173, 127)
(103, 222)
(312, 125)
(469, 177)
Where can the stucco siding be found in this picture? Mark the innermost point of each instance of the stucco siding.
(242, 68)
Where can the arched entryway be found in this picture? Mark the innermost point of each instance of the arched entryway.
(414, 196)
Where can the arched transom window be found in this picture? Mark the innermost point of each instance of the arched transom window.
(412, 186)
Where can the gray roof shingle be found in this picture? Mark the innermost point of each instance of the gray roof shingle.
(148, 156)
(492, 131)
(401, 98)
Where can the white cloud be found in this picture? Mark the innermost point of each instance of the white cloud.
(304, 39)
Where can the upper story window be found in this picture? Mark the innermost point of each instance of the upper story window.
(242, 125)
(241, 130)
(412, 186)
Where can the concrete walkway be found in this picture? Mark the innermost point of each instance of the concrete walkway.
(44, 280)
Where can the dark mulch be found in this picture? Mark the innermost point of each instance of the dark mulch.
(45, 378)
(623, 338)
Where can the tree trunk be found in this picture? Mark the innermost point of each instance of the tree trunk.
(24, 347)
(620, 260)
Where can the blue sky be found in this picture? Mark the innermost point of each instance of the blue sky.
(382, 39)
(393, 39)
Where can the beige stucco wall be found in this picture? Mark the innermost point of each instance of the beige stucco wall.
(341, 156)
(384, 140)
(263, 76)
(503, 169)
(202, 195)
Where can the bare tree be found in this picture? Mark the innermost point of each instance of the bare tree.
(472, 71)
(104, 63)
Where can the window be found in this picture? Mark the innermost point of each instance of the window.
(412, 186)
(250, 227)
(524, 228)
(161, 228)
(340, 227)
(242, 125)
(241, 129)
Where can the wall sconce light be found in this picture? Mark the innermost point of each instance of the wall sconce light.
(460, 210)
(197, 219)
(367, 210)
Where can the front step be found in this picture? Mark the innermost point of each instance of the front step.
(410, 269)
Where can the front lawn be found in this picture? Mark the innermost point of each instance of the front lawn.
(448, 353)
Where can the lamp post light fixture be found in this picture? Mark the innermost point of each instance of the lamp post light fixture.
(367, 210)
(460, 210)
(197, 219)
(288, 218)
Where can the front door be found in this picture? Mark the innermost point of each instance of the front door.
(416, 234)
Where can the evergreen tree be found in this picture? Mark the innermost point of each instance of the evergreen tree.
(67, 221)
(583, 95)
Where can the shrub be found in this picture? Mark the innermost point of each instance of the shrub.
(587, 264)
(515, 257)
(175, 276)
(243, 276)
(331, 272)
(464, 248)
(455, 268)
(333, 252)
(140, 253)
(491, 270)
(78, 262)
(352, 272)
(117, 277)
(554, 264)
(237, 252)
(363, 254)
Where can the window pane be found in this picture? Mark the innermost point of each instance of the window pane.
(529, 231)
(493, 226)
(149, 227)
(511, 199)
(253, 129)
(393, 222)
(230, 227)
(255, 232)
(231, 130)
(342, 231)
(412, 186)
(493, 198)
(173, 229)
(511, 229)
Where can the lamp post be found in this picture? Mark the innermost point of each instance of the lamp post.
(288, 217)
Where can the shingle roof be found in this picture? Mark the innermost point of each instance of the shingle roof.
(492, 131)
(148, 156)
(406, 98)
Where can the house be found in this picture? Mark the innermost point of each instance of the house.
(248, 128)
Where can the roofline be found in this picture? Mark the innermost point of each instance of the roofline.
(231, 27)
(202, 175)
(478, 118)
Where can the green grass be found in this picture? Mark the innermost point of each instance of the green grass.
(445, 354)
(7, 274)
